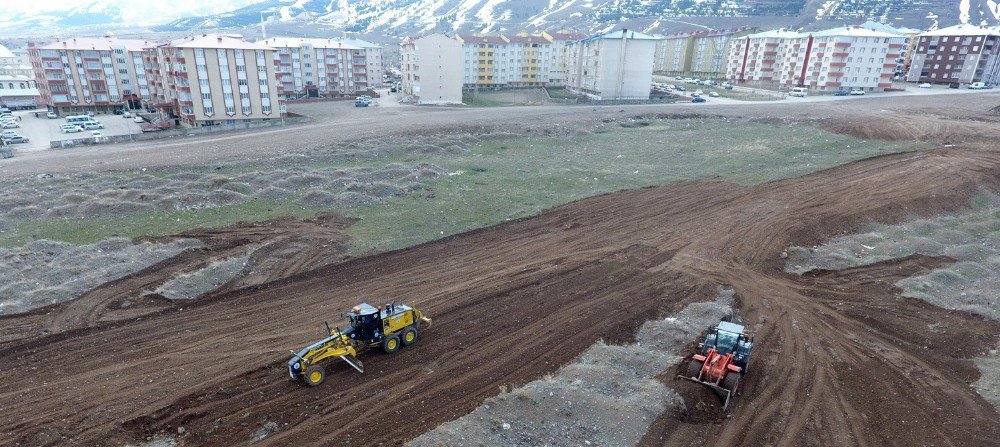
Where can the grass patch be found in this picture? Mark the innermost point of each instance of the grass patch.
(480, 100)
(154, 223)
(561, 93)
(737, 94)
(501, 180)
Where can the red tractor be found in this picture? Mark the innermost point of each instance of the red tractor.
(722, 360)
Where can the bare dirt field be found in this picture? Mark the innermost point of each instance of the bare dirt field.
(842, 358)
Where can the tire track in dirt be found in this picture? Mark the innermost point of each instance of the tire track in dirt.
(841, 358)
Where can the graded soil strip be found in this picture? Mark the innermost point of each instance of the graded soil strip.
(834, 364)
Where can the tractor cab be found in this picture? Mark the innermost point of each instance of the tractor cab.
(729, 338)
(366, 323)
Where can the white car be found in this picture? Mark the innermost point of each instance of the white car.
(10, 124)
(51, 115)
(925, 85)
(857, 92)
(713, 94)
(698, 93)
(126, 114)
(91, 125)
(138, 119)
(70, 128)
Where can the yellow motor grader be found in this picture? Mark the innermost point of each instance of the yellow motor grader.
(387, 327)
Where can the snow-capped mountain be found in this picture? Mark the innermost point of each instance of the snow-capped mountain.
(400, 17)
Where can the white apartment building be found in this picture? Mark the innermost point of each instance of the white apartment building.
(373, 60)
(829, 60)
(214, 80)
(613, 66)
(431, 69)
(17, 82)
(90, 73)
(558, 54)
(486, 61)
(320, 67)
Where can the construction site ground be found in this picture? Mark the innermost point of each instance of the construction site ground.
(841, 357)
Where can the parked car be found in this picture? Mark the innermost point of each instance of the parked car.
(138, 119)
(51, 115)
(362, 101)
(857, 92)
(4, 110)
(8, 133)
(925, 85)
(89, 113)
(727, 85)
(95, 133)
(699, 99)
(91, 125)
(680, 88)
(16, 139)
(70, 128)
(977, 86)
(678, 78)
(698, 93)
(841, 93)
(800, 92)
(10, 125)
(713, 94)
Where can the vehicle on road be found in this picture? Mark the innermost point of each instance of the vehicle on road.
(925, 85)
(857, 92)
(363, 101)
(70, 128)
(138, 119)
(713, 94)
(699, 99)
(91, 125)
(977, 86)
(387, 327)
(16, 139)
(95, 133)
(51, 115)
(9, 124)
(800, 92)
(680, 88)
(841, 93)
(79, 119)
(90, 113)
(721, 360)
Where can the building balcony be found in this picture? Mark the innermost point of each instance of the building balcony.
(838, 64)
(839, 55)
(842, 44)
(835, 74)
(889, 65)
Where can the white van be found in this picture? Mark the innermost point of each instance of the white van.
(80, 119)
(977, 85)
(801, 92)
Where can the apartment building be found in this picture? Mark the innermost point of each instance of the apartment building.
(319, 67)
(373, 60)
(432, 72)
(486, 61)
(214, 80)
(17, 82)
(958, 54)
(613, 66)
(702, 54)
(558, 54)
(530, 58)
(829, 60)
(80, 74)
(909, 36)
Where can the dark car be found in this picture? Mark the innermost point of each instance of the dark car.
(841, 93)
(699, 99)
(16, 139)
(680, 88)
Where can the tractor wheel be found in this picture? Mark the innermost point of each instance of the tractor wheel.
(694, 368)
(408, 336)
(731, 381)
(390, 344)
(314, 375)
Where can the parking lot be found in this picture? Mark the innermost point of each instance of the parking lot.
(41, 130)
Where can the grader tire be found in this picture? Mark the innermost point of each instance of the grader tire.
(694, 368)
(314, 375)
(408, 336)
(390, 344)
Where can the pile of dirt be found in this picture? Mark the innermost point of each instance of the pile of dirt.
(609, 395)
(191, 285)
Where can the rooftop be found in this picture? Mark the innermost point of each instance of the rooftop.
(229, 41)
(854, 31)
(98, 43)
(289, 42)
(526, 39)
(622, 33)
(963, 30)
(708, 33)
(777, 34)
(472, 38)
(5, 53)
(567, 35)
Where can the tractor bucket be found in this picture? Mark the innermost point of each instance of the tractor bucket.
(725, 394)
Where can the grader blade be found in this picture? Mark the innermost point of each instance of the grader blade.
(355, 363)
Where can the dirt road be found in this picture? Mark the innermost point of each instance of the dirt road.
(841, 358)
(960, 116)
